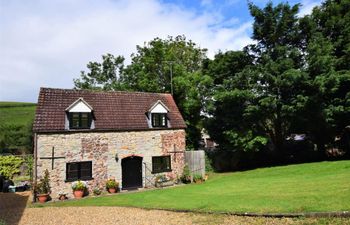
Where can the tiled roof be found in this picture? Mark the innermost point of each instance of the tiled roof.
(112, 110)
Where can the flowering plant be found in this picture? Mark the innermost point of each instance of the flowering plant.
(111, 183)
(161, 178)
(79, 185)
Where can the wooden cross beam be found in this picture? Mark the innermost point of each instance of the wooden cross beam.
(53, 157)
(176, 152)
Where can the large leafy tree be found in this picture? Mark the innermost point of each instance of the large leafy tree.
(327, 37)
(102, 76)
(257, 101)
(173, 64)
(170, 65)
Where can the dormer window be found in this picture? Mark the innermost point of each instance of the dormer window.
(159, 120)
(79, 115)
(78, 120)
(157, 115)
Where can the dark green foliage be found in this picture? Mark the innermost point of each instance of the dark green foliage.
(186, 175)
(208, 164)
(293, 80)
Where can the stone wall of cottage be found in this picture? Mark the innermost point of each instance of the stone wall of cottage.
(101, 148)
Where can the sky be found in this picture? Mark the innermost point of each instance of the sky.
(47, 43)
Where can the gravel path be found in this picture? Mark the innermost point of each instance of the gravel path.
(13, 211)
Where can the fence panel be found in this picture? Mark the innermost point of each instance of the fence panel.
(196, 162)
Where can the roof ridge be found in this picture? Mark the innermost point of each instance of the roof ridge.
(102, 91)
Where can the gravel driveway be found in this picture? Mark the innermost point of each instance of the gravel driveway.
(13, 210)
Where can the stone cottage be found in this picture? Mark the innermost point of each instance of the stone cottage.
(95, 135)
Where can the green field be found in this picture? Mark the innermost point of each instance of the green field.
(16, 120)
(16, 113)
(312, 187)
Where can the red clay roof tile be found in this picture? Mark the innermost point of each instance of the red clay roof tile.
(113, 110)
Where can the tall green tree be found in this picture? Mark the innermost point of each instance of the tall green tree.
(259, 102)
(327, 36)
(170, 65)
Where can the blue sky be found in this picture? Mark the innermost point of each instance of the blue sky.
(47, 43)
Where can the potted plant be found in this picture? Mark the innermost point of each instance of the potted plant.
(197, 178)
(79, 187)
(42, 189)
(62, 195)
(112, 185)
(96, 191)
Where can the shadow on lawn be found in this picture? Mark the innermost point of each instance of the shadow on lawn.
(12, 206)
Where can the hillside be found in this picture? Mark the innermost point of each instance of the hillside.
(17, 113)
(15, 126)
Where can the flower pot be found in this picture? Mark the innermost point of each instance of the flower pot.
(62, 197)
(112, 190)
(78, 194)
(42, 197)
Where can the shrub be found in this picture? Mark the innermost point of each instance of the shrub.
(10, 165)
(197, 178)
(186, 175)
(111, 183)
(43, 186)
(30, 163)
(208, 164)
(79, 185)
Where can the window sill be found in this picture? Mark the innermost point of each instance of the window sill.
(72, 180)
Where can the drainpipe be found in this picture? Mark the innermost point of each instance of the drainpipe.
(35, 165)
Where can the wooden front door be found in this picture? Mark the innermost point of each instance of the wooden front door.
(132, 172)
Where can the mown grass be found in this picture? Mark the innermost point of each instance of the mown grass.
(312, 187)
(16, 113)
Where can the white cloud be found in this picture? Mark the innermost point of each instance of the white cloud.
(47, 43)
(307, 6)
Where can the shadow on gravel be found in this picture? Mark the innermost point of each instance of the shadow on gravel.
(12, 206)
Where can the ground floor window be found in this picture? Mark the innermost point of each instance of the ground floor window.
(161, 164)
(79, 171)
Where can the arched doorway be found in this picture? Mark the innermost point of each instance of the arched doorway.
(132, 172)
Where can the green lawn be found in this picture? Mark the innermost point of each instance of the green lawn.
(312, 187)
(16, 113)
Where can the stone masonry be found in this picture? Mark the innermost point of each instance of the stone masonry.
(101, 148)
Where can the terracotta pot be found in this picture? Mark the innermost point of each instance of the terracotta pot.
(78, 194)
(62, 197)
(42, 197)
(112, 190)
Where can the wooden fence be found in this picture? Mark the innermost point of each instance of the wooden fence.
(196, 162)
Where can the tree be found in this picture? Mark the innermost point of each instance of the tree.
(257, 100)
(170, 65)
(102, 76)
(327, 38)
(176, 61)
